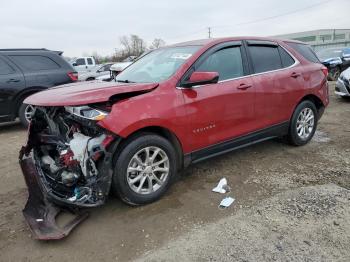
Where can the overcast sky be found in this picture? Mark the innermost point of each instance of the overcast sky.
(79, 26)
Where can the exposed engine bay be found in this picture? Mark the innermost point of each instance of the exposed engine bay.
(70, 153)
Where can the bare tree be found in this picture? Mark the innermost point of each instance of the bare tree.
(132, 46)
(125, 42)
(157, 43)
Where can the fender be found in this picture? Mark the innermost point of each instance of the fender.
(157, 108)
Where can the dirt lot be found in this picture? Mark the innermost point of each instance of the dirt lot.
(292, 204)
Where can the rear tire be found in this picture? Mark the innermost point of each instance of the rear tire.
(24, 114)
(303, 123)
(133, 163)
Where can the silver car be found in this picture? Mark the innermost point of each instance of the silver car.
(342, 87)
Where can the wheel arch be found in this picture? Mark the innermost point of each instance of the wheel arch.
(165, 133)
(317, 102)
(23, 95)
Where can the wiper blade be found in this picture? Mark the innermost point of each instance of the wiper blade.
(125, 81)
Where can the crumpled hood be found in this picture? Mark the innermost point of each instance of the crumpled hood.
(83, 93)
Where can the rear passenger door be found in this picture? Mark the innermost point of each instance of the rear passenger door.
(277, 81)
(40, 70)
(11, 82)
(225, 110)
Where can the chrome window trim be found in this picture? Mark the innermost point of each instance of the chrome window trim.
(296, 62)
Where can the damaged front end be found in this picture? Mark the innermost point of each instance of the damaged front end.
(67, 165)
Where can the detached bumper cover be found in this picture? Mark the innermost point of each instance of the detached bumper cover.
(39, 212)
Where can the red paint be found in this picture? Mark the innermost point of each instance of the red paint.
(68, 160)
(83, 93)
(203, 76)
(210, 114)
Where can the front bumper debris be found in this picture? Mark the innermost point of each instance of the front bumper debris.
(39, 212)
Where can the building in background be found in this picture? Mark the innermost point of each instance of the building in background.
(321, 39)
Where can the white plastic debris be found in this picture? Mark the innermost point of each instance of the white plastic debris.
(49, 161)
(78, 145)
(81, 145)
(226, 202)
(222, 187)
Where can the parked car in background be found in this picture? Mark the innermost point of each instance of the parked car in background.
(118, 67)
(173, 106)
(336, 60)
(115, 69)
(82, 64)
(24, 72)
(101, 70)
(342, 87)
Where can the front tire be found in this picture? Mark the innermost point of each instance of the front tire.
(303, 123)
(144, 170)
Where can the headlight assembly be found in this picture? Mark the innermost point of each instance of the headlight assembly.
(87, 112)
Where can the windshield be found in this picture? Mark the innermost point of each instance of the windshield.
(156, 66)
(329, 53)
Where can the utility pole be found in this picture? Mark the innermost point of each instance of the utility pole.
(209, 32)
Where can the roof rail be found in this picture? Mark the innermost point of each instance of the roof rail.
(30, 49)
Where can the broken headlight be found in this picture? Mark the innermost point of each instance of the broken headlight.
(87, 112)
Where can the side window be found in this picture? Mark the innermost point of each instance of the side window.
(105, 68)
(287, 60)
(305, 51)
(265, 58)
(89, 61)
(34, 62)
(5, 69)
(227, 62)
(108, 67)
(80, 61)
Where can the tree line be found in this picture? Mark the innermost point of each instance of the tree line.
(130, 46)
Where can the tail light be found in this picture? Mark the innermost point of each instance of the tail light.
(325, 71)
(73, 76)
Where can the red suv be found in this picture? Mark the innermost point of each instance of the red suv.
(174, 106)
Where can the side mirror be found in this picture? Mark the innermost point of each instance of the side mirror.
(75, 64)
(202, 78)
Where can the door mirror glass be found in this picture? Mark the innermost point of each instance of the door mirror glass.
(202, 78)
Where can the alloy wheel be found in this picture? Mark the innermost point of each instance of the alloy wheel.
(148, 170)
(28, 112)
(305, 123)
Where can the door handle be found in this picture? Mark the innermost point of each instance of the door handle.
(243, 86)
(295, 75)
(13, 80)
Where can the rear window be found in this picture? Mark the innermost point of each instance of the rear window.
(305, 51)
(265, 58)
(89, 60)
(34, 62)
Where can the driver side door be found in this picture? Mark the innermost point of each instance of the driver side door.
(222, 111)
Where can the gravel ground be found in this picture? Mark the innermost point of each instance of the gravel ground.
(304, 224)
(291, 205)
